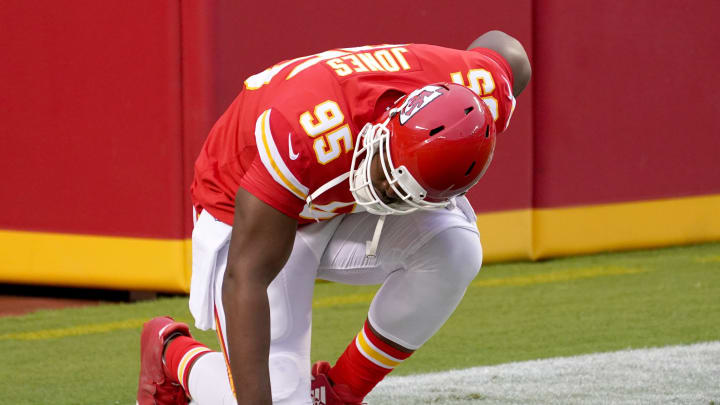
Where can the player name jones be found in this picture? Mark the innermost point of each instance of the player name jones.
(381, 60)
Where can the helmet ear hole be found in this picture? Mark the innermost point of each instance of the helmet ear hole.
(470, 168)
(487, 131)
(468, 110)
(436, 130)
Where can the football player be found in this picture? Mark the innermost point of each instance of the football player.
(351, 166)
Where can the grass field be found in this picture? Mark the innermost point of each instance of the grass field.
(684, 374)
(511, 313)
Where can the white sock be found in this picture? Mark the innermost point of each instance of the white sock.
(208, 382)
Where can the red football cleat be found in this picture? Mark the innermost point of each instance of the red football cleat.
(154, 387)
(325, 393)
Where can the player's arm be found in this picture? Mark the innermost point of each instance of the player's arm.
(512, 51)
(262, 239)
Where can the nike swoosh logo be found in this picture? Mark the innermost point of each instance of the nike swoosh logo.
(293, 155)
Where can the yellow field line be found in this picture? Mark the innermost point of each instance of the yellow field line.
(556, 276)
(75, 330)
(708, 259)
(334, 301)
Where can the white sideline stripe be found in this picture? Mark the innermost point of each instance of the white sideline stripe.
(673, 374)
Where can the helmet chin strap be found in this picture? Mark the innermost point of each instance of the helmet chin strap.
(371, 245)
(325, 187)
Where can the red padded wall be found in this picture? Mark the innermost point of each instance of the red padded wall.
(627, 100)
(106, 104)
(90, 124)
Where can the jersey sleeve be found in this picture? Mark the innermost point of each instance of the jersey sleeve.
(495, 89)
(504, 67)
(274, 176)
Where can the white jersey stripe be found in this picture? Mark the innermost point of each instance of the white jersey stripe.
(272, 159)
(314, 61)
(512, 109)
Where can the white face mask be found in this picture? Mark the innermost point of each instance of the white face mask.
(363, 190)
(374, 139)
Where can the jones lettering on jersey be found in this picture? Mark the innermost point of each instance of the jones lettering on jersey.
(371, 60)
(417, 100)
(379, 58)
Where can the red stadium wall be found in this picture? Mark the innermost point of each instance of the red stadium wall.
(106, 104)
(91, 118)
(629, 101)
(91, 124)
(626, 124)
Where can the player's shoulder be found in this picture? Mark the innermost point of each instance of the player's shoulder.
(278, 135)
(304, 137)
(492, 58)
(440, 49)
(476, 57)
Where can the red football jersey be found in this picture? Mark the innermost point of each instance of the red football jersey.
(293, 128)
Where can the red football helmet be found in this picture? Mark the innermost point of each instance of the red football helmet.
(434, 144)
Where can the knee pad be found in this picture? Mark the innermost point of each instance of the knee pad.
(413, 303)
(469, 266)
(289, 378)
(462, 254)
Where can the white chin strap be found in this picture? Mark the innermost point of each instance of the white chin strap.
(375, 139)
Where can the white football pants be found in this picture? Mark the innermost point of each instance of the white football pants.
(424, 262)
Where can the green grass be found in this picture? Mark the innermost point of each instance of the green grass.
(512, 312)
